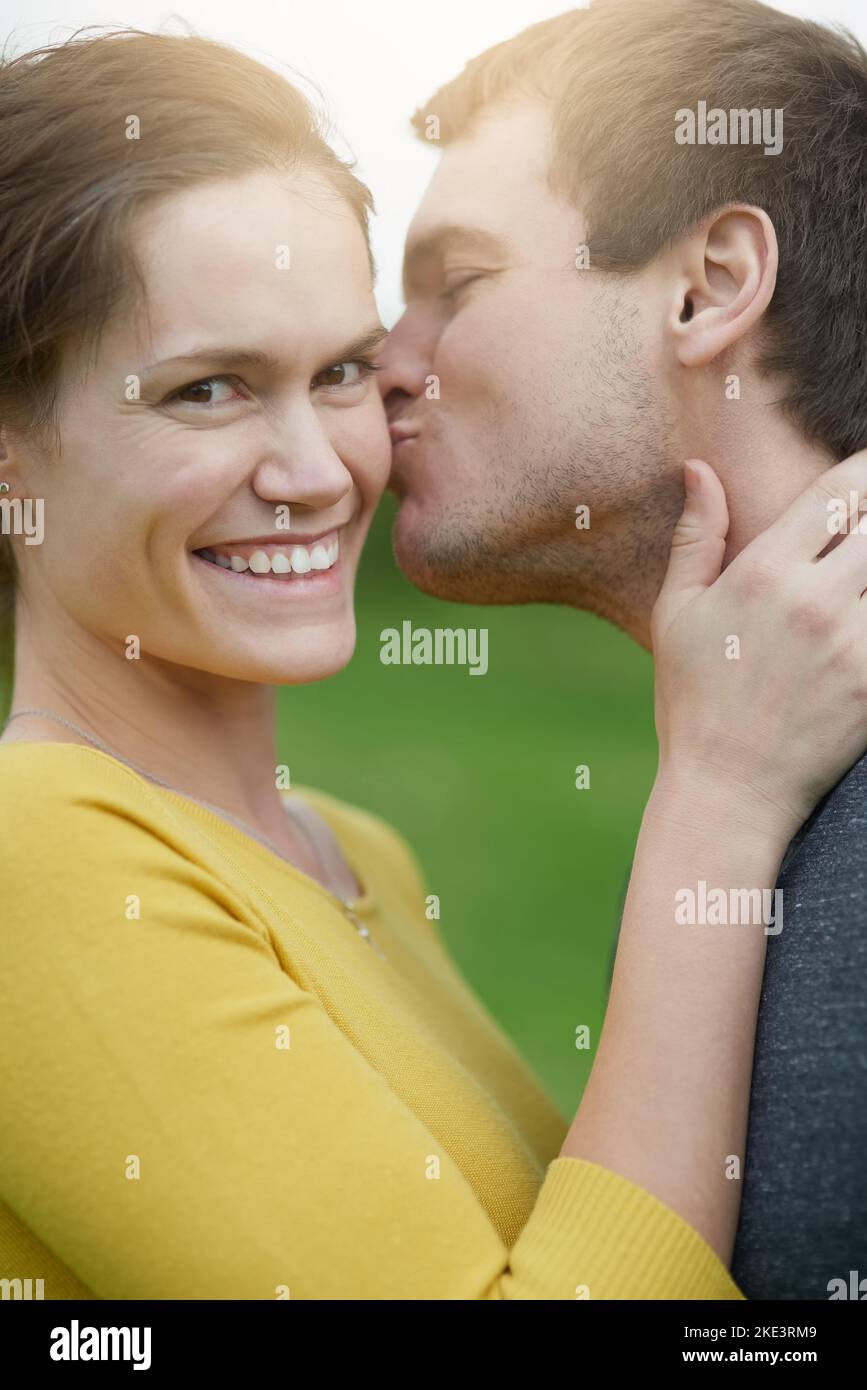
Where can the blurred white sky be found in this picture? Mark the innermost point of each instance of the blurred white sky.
(374, 62)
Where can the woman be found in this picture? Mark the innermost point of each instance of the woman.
(237, 1062)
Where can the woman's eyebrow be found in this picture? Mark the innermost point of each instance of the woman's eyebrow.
(360, 346)
(223, 356)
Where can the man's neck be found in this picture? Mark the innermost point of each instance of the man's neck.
(764, 463)
(762, 478)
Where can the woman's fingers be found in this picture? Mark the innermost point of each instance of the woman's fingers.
(846, 564)
(806, 527)
(698, 543)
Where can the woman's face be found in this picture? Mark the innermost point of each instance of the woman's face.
(232, 415)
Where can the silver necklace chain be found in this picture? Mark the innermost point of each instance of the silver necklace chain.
(209, 805)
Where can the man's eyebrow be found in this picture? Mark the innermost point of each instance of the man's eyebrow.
(223, 356)
(434, 246)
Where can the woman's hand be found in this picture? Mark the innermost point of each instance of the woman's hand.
(761, 671)
(761, 705)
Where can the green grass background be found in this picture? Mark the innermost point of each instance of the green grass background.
(478, 774)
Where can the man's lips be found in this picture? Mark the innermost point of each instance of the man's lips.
(401, 433)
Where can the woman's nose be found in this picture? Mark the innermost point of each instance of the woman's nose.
(304, 468)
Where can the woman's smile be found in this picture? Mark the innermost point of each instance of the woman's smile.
(304, 568)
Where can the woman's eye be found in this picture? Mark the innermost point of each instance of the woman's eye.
(344, 374)
(211, 390)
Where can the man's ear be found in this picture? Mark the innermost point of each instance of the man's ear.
(727, 272)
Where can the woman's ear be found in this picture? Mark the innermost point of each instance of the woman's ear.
(727, 272)
(5, 462)
(12, 457)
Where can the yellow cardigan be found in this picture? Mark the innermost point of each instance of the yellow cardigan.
(211, 1087)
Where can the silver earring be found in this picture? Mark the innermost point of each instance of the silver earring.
(5, 487)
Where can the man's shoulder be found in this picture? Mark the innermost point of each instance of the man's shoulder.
(804, 1210)
(835, 833)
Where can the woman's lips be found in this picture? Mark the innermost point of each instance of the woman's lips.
(288, 585)
(275, 555)
(277, 564)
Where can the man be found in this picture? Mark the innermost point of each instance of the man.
(644, 242)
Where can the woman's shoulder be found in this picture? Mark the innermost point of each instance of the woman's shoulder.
(65, 797)
(49, 769)
(42, 775)
(60, 800)
(85, 842)
(69, 808)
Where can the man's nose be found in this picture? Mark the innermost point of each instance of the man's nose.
(404, 365)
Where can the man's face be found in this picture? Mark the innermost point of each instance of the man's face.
(525, 387)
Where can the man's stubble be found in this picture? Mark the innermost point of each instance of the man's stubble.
(605, 441)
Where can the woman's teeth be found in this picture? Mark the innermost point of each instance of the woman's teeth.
(290, 559)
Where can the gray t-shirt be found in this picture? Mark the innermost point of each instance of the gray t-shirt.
(804, 1208)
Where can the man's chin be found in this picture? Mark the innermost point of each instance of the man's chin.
(421, 558)
(447, 566)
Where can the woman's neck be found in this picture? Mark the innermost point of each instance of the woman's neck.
(210, 737)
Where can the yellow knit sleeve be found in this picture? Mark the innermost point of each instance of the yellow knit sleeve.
(182, 1120)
